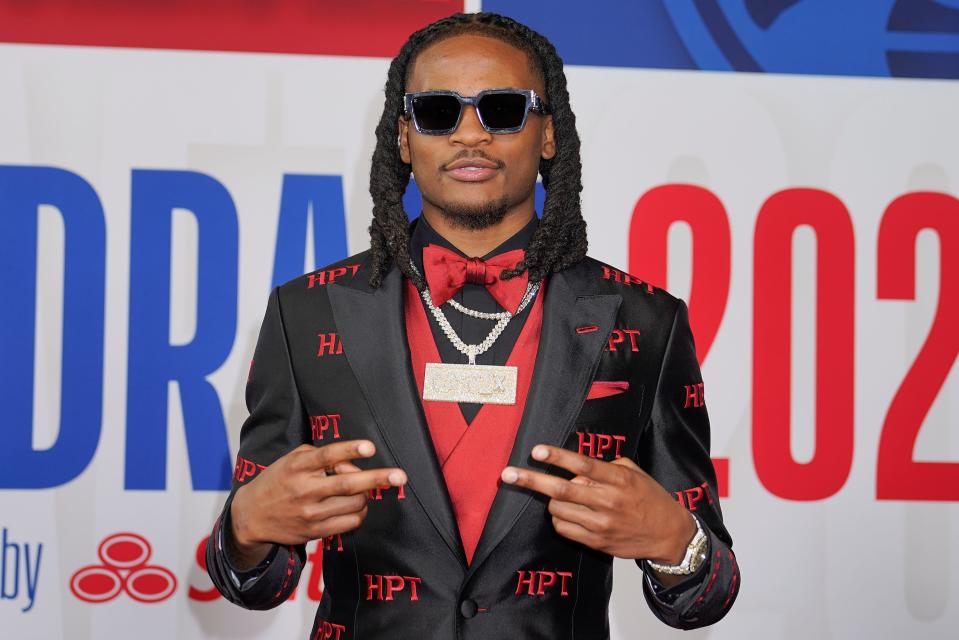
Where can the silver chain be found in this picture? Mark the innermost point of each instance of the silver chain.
(502, 317)
(477, 314)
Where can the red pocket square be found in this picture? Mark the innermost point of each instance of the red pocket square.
(603, 388)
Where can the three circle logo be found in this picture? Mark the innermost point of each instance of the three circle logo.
(124, 557)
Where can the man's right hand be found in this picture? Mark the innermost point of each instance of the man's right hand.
(295, 500)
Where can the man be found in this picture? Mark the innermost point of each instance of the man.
(473, 440)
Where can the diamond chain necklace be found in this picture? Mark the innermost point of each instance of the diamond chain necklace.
(502, 318)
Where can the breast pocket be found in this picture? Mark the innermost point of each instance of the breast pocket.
(607, 426)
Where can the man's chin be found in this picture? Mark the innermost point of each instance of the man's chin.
(475, 215)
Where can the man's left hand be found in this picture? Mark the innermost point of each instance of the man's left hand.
(614, 507)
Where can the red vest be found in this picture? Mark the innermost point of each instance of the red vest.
(472, 456)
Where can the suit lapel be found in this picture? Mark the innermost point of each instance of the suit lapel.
(373, 329)
(566, 362)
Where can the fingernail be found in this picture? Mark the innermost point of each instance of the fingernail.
(510, 475)
(396, 478)
(365, 449)
(540, 453)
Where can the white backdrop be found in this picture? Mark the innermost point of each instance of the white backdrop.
(818, 561)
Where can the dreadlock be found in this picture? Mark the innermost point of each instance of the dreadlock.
(560, 239)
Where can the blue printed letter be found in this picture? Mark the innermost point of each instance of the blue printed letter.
(22, 190)
(152, 360)
(301, 193)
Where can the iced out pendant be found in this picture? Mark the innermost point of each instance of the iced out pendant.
(480, 383)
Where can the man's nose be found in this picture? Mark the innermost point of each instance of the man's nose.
(470, 130)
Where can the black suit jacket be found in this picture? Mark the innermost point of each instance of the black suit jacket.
(403, 572)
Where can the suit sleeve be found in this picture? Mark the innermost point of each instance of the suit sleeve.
(277, 424)
(674, 450)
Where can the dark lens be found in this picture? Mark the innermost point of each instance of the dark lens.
(503, 110)
(436, 113)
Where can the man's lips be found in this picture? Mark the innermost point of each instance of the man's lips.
(472, 169)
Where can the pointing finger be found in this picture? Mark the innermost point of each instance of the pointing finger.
(598, 470)
(359, 482)
(327, 456)
(552, 486)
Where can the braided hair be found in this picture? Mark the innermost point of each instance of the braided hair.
(560, 239)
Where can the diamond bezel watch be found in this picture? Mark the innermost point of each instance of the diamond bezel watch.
(695, 555)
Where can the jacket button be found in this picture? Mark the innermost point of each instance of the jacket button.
(468, 608)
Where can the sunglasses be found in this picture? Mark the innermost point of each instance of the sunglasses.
(438, 113)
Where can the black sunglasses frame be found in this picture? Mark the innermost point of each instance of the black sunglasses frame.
(533, 103)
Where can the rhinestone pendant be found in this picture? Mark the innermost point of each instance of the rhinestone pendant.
(481, 383)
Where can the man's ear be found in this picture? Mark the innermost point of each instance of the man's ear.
(403, 139)
(549, 140)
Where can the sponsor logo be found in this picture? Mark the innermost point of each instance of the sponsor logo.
(624, 278)
(16, 555)
(377, 493)
(328, 630)
(245, 469)
(536, 583)
(124, 569)
(617, 336)
(330, 344)
(329, 276)
(695, 395)
(595, 445)
(689, 497)
(380, 587)
(320, 424)
(333, 542)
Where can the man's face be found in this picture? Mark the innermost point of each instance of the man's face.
(468, 64)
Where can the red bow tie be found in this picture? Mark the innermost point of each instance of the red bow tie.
(447, 272)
